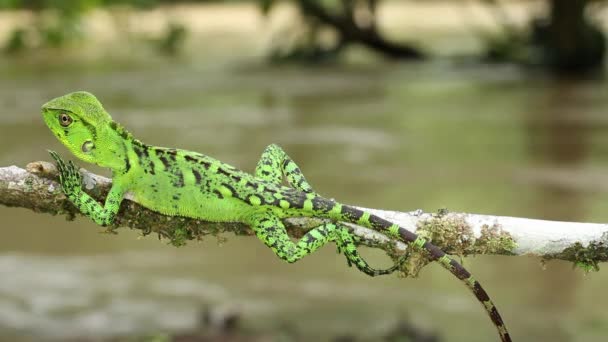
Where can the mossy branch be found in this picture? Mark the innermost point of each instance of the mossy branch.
(585, 244)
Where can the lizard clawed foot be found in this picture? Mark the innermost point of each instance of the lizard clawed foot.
(69, 176)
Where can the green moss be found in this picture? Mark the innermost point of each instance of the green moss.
(414, 263)
(494, 240)
(452, 233)
(441, 212)
(448, 231)
(586, 258)
(28, 184)
(179, 236)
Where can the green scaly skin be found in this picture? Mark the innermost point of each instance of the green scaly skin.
(182, 183)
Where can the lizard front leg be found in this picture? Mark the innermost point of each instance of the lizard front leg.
(71, 181)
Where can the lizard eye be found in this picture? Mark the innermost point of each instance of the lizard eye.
(64, 120)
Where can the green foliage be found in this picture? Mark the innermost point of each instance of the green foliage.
(4, 4)
(266, 6)
(16, 41)
(173, 39)
(62, 5)
(57, 23)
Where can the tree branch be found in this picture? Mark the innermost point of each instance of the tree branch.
(352, 33)
(585, 244)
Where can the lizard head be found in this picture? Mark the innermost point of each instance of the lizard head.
(79, 121)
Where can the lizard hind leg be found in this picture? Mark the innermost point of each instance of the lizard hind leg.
(275, 163)
(271, 231)
(346, 244)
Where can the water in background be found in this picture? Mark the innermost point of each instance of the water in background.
(492, 140)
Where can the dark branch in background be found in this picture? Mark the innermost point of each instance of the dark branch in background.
(586, 244)
(351, 32)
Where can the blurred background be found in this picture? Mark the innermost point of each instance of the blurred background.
(494, 107)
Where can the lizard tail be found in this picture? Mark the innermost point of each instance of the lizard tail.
(356, 216)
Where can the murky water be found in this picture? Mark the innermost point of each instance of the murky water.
(393, 136)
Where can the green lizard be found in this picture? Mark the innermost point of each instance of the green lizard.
(182, 183)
